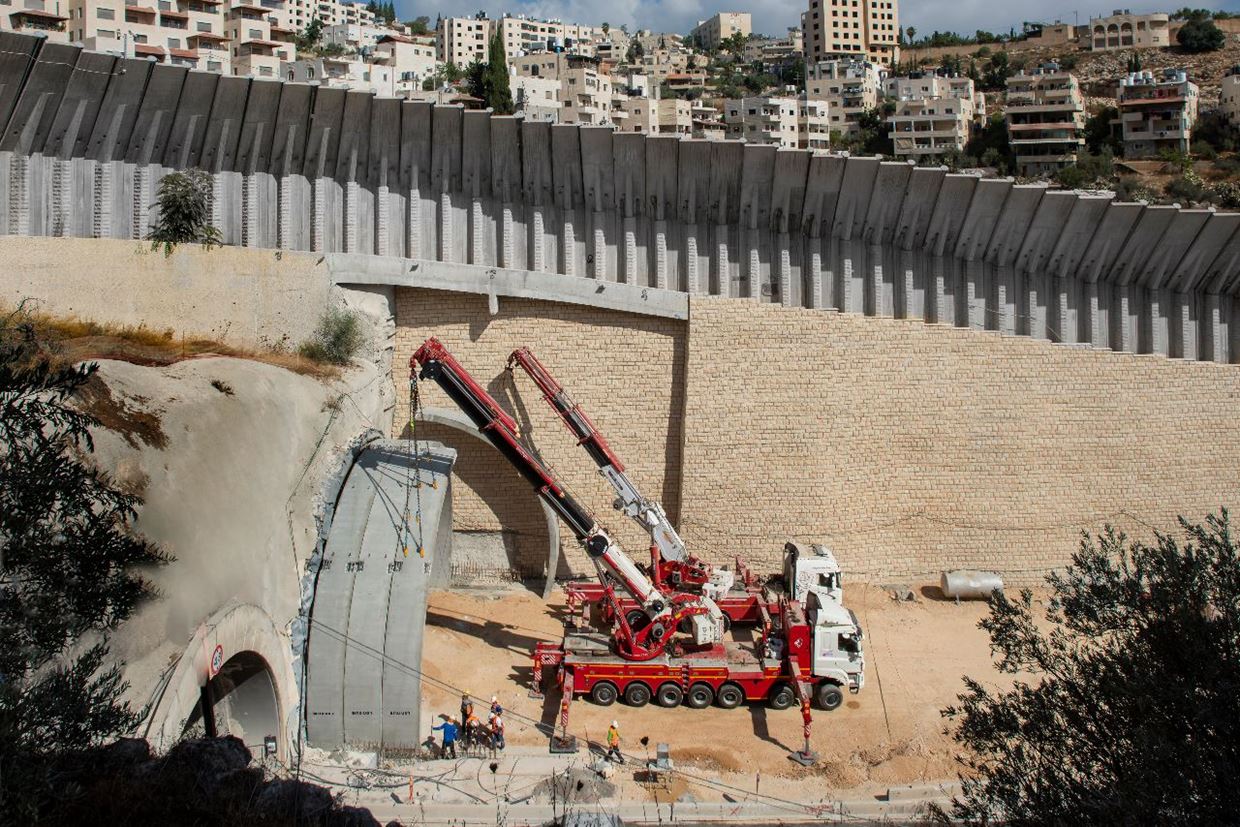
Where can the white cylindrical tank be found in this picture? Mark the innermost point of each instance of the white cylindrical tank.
(964, 584)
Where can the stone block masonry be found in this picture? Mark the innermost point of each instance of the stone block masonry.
(87, 138)
(908, 448)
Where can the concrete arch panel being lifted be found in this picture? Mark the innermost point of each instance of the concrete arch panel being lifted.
(388, 545)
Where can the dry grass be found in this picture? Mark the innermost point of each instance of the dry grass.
(80, 340)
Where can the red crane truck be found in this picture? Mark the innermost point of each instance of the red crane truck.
(665, 645)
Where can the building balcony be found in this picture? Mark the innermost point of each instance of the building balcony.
(37, 19)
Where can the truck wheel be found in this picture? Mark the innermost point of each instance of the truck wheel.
(829, 696)
(782, 697)
(637, 619)
(670, 695)
(604, 693)
(727, 624)
(700, 696)
(637, 694)
(729, 696)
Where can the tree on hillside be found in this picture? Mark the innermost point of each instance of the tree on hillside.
(1201, 36)
(1125, 707)
(499, 91)
(1192, 14)
(67, 558)
(419, 25)
(1100, 132)
(912, 35)
(310, 36)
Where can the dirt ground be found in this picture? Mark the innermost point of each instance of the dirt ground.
(890, 734)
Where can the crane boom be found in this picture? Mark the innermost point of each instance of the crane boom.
(501, 430)
(648, 513)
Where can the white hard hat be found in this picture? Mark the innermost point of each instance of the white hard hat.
(613, 723)
(494, 699)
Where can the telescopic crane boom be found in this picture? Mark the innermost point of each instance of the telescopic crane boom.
(672, 562)
(663, 612)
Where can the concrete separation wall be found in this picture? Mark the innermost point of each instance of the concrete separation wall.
(329, 171)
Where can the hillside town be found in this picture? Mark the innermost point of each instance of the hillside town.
(849, 78)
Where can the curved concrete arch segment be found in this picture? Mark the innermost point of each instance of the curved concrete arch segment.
(233, 630)
(460, 422)
(389, 544)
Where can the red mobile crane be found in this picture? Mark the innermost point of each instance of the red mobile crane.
(676, 653)
(738, 593)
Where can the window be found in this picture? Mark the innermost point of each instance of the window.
(214, 66)
(106, 14)
(174, 43)
(256, 34)
(105, 34)
(139, 38)
(202, 27)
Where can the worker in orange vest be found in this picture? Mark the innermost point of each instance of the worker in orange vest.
(613, 743)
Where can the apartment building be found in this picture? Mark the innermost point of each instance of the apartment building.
(536, 98)
(659, 63)
(462, 40)
(254, 50)
(849, 87)
(864, 29)
(1045, 116)
(708, 34)
(411, 59)
(775, 52)
(674, 117)
(813, 124)
(192, 34)
(1157, 112)
(934, 114)
(347, 72)
(1229, 97)
(585, 92)
(787, 121)
(707, 122)
(43, 17)
(525, 35)
(1125, 30)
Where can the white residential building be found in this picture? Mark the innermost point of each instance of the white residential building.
(1157, 112)
(411, 59)
(347, 72)
(934, 114)
(849, 87)
(780, 120)
(709, 33)
(462, 40)
(1229, 97)
(585, 93)
(865, 29)
(1045, 119)
(43, 17)
(537, 98)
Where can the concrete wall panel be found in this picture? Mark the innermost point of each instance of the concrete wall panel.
(982, 216)
(191, 121)
(1183, 230)
(323, 142)
(1147, 233)
(219, 148)
(629, 169)
(1190, 271)
(109, 140)
(727, 157)
(1078, 231)
(854, 201)
(1046, 230)
(70, 134)
(156, 116)
(950, 210)
(354, 154)
(890, 188)
(288, 142)
(1109, 239)
(258, 127)
(36, 108)
(917, 207)
(788, 190)
(822, 193)
(1015, 220)
(693, 186)
(17, 56)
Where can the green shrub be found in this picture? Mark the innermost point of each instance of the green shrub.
(335, 340)
(1072, 177)
(184, 200)
(1187, 187)
(1201, 36)
(1203, 150)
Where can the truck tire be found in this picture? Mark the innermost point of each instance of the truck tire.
(637, 694)
(604, 693)
(700, 696)
(637, 619)
(781, 697)
(669, 695)
(829, 696)
(729, 696)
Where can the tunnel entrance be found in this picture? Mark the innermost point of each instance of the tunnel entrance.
(241, 700)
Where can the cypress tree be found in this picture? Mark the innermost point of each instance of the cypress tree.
(498, 91)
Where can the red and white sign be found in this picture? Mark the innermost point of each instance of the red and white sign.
(217, 661)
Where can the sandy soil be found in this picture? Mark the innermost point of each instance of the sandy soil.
(890, 734)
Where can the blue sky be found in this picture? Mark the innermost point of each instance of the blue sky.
(774, 16)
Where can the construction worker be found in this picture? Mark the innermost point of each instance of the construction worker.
(450, 730)
(496, 709)
(473, 730)
(497, 732)
(467, 712)
(613, 743)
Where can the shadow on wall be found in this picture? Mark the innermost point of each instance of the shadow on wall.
(493, 500)
(610, 325)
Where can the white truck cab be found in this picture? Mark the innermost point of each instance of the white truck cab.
(812, 568)
(838, 652)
